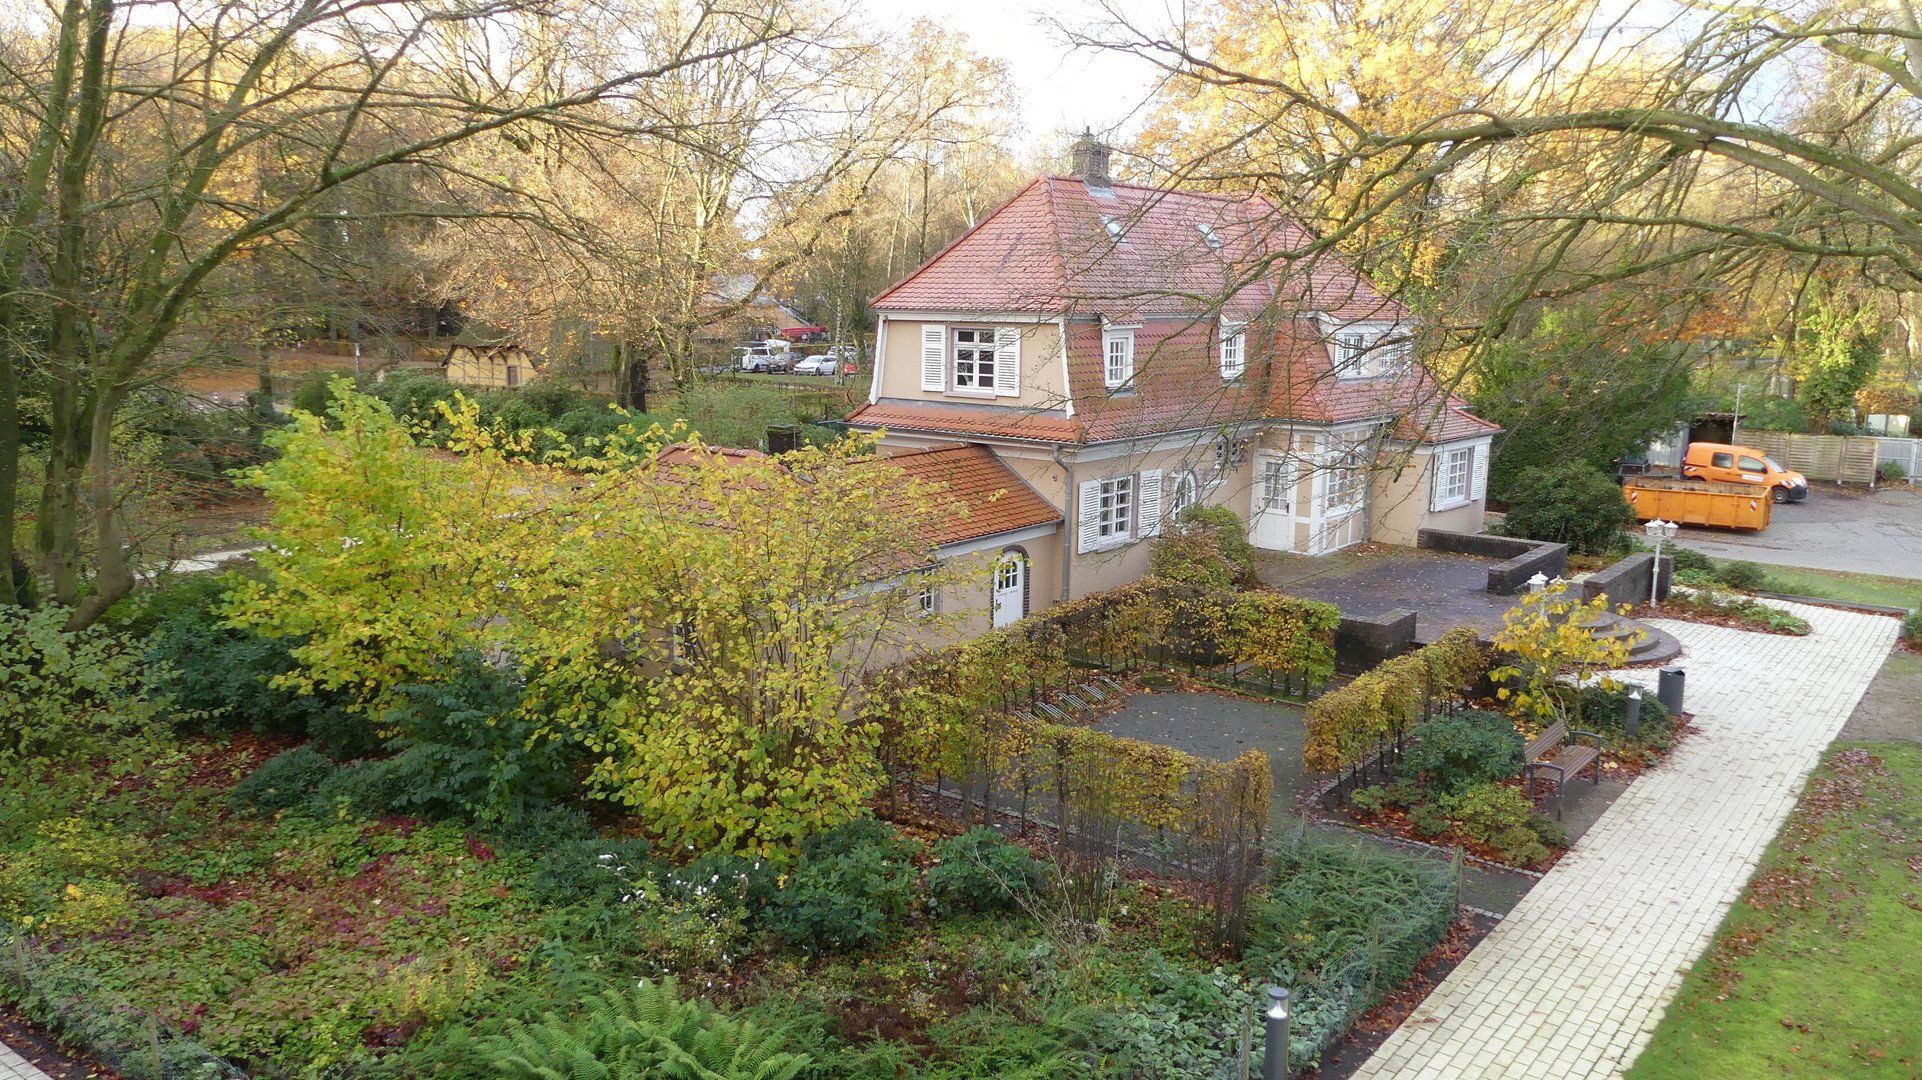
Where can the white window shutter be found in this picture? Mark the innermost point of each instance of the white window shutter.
(1089, 516)
(1478, 470)
(1007, 362)
(1148, 503)
(1437, 461)
(934, 357)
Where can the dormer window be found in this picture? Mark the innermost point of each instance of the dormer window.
(1115, 230)
(1368, 350)
(1118, 357)
(1208, 235)
(1351, 353)
(1234, 350)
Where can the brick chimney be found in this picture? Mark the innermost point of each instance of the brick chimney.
(1090, 158)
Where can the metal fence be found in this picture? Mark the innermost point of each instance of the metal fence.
(1904, 452)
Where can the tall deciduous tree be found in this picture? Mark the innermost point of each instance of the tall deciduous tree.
(153, 150)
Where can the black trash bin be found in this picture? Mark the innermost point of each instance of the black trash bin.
(1670, 689)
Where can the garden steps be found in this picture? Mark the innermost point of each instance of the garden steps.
(1656, 646)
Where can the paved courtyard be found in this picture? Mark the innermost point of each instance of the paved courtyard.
(15, 1067)
(1443, 589)
(1865, 532)
(1573, 982)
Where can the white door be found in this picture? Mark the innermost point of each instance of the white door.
(1271, 516)
(1010, 585)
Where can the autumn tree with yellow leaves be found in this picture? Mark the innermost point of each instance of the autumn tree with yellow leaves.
(696, 618)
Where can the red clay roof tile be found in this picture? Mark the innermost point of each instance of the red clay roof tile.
(997, 499)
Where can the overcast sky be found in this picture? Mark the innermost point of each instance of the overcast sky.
(1059, 89)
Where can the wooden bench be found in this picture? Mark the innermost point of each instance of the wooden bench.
(1553, 750)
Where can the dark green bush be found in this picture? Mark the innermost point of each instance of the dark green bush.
(1427, 820)
(287, 780)
(1746, 576)
(226, 672)
(1604, 711)
(1912, 626)
(466, 748)
(1688, 559)
(980, 871)
(1572, 503)
(853, 883)
(1453, 753)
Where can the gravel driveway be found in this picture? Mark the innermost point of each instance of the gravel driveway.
(1864, 532)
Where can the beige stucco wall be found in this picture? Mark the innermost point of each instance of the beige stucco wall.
(1042, 385)
(1400, 502)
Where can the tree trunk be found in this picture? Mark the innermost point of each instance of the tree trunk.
(113, 576)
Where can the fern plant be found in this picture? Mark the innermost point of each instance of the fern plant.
(645, 1034)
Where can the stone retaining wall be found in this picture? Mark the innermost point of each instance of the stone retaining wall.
(1362, 642)
(1522, 559)
(1626, 582)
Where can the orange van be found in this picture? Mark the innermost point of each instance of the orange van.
(1728, 464)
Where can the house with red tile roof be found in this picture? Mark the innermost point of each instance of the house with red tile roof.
(1129, 351)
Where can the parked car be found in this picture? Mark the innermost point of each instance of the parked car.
(1730, 464)
(815, 365)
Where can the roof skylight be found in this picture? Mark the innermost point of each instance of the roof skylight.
(1209, 235)
(1115, 230)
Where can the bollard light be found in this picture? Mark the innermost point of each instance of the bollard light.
(1632, 715)
(1274, 1058)
(1658, 531)
(1538, 582)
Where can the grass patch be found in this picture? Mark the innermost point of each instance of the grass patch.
(1841, 585)
(1812, 973)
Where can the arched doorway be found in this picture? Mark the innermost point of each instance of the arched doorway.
(1009, 590)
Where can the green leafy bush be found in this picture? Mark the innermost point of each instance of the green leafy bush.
(1230, 536)
(1912, 626)
(645, 1032)
(287, 780)
(1572, 503)
(60, 689)
(1369, 800)
(1746, 576)
(225, 673)
(1891, 472)
(467, 748)
(1454, 752)
(853, 883)
(1190, 558)
(1519, 847)
(1688, 559)
(1605, 711)
(1487, 810)
(1427, 820)
(980, 871)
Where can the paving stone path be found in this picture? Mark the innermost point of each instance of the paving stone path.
(15, 1067)
(1573, 982)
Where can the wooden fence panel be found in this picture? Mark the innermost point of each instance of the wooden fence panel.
(1847, 459)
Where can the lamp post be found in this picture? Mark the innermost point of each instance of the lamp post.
(1274, 1057)
(1658, 531)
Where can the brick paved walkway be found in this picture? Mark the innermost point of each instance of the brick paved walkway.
(1574, 980)
(15, 1067)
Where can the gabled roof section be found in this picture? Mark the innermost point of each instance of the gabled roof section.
(1304, 387)
(1129, 252)
(1000, 423)
(997, 500)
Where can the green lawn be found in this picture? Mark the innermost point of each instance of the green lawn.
(1813, 973)
(1841, 585)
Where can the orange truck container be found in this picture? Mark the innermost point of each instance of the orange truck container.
(1694, 502)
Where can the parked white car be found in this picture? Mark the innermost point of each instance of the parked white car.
(815, 365)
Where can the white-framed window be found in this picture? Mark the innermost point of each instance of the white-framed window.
(1184, 490)
(1229, 454)
(974, 353)
(1234, 350)
(1344, 475)
(1116, 513)
(1451, 477)
(686, 647)
(1351, 353)
(1118, 356)
(926, 603)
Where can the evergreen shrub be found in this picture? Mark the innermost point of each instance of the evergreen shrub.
(1453, 753)
(980, 871)
(1572, 503)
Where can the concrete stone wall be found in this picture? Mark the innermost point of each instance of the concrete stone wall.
(1522, 559)
(1626, 582)
(1363, 642)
